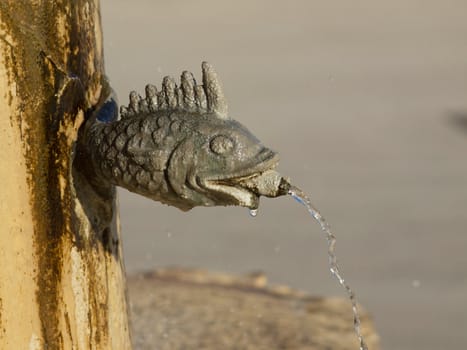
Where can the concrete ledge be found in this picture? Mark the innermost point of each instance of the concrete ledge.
(193, 309)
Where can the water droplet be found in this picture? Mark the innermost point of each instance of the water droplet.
(169, 234)
(302, 198)
(416, 283)
(253, 212)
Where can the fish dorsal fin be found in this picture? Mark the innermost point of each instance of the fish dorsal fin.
(186, 97)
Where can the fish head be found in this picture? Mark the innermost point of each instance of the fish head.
(215, 163)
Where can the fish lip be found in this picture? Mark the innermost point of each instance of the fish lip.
(232, 186)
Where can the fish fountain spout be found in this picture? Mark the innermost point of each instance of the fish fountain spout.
(179, 147)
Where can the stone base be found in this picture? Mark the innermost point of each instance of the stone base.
(192, 309)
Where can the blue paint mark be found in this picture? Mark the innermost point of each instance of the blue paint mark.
(108, 112)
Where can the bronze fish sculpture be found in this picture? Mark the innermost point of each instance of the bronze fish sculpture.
(178, 146)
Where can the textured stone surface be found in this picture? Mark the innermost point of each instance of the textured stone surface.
(62, 283)
(191, 309)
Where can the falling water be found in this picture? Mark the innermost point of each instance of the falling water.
(302, 198)
(253, 212)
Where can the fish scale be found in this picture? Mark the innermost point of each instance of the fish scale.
(121, 138)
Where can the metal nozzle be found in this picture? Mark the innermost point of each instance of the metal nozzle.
(269, 184)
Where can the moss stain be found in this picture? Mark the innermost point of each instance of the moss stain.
(46, 36)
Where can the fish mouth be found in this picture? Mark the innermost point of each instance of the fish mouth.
(237, 189)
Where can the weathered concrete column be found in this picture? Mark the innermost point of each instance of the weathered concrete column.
(62, 283)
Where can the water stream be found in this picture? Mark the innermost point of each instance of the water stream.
(302, 198)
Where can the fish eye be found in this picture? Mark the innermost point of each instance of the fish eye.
(221, 144)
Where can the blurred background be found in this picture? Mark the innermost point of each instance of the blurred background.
(366, 102)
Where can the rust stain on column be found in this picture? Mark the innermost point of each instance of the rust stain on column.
(52, 54)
